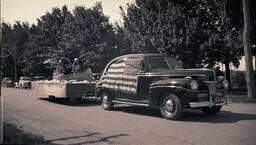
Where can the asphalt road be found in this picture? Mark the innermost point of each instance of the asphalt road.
(88, 123)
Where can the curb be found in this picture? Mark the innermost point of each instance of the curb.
(235, 98)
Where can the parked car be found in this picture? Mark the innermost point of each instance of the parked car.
(160, 81)
(7, 82)
(24, 82)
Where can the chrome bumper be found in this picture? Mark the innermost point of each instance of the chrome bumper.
(212, 94)
(209, 103)
(204, 104)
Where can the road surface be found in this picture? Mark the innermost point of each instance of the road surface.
(87, 123)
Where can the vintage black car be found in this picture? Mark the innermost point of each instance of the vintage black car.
(160, 81)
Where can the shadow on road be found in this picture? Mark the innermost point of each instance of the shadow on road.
(72, 137)
(222, 117)
(191, 115)
(89, 138)
(139, 110)
(65, 101)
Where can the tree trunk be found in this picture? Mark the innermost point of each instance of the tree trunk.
(250, 80)
(254, 54)
(227, 73)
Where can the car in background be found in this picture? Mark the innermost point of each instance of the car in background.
(7, 82)
(24, 83)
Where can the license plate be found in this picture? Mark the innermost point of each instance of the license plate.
(218, 100)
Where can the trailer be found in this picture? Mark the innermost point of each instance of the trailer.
(72, 90)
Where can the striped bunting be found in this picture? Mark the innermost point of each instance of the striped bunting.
(122, 75)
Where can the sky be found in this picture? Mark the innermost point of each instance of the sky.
(30, 10)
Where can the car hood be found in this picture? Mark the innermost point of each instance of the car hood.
(204, 74)
(171, 82)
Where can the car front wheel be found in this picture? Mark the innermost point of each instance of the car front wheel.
(211, 111)
(107, 103)
(171, 107)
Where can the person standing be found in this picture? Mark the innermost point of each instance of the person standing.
(76, 67)
(59, 71)
(218, 72)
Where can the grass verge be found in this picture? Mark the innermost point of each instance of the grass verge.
(14, 135)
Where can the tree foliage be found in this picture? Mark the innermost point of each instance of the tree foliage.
(14, 39)
(197, 32)
(200, 33)
(84, 33)
(87, 35)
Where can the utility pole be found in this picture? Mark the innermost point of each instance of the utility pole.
(250, 80)
(254, 50)
(15, 64)
(1, 97)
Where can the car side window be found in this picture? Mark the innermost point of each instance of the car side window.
(157, 64)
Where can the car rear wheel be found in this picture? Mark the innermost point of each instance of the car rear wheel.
(74, 100)
(51, 97)
(171, 107)
(107, 103)
(211, 111)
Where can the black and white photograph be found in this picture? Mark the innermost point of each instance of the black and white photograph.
(128, 72)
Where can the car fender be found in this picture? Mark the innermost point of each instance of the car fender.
(175, 86)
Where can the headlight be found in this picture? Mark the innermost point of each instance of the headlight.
(225, 84)
(220, 78)
(194, 85)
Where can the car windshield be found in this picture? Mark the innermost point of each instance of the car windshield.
(163, 63)
(26, 79)
(174, 63)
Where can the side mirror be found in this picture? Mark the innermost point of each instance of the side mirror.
(143, 68)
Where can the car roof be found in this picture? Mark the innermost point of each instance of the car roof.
(38, 77)
(25, 77)
(143, 55)
(7, 78)
(132, 55)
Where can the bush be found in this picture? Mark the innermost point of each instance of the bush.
(238, 79)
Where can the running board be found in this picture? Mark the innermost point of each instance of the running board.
(130, 103)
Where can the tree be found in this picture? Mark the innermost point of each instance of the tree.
(200, 33)
(172, 27)
(14, 39)
(123, 43)
(225, 39)
(21, 34)
(7, 60)
(43, 41)
(87, 35)
(247, 51)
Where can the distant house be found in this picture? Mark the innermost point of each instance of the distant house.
(241, 66)
(238, 74)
